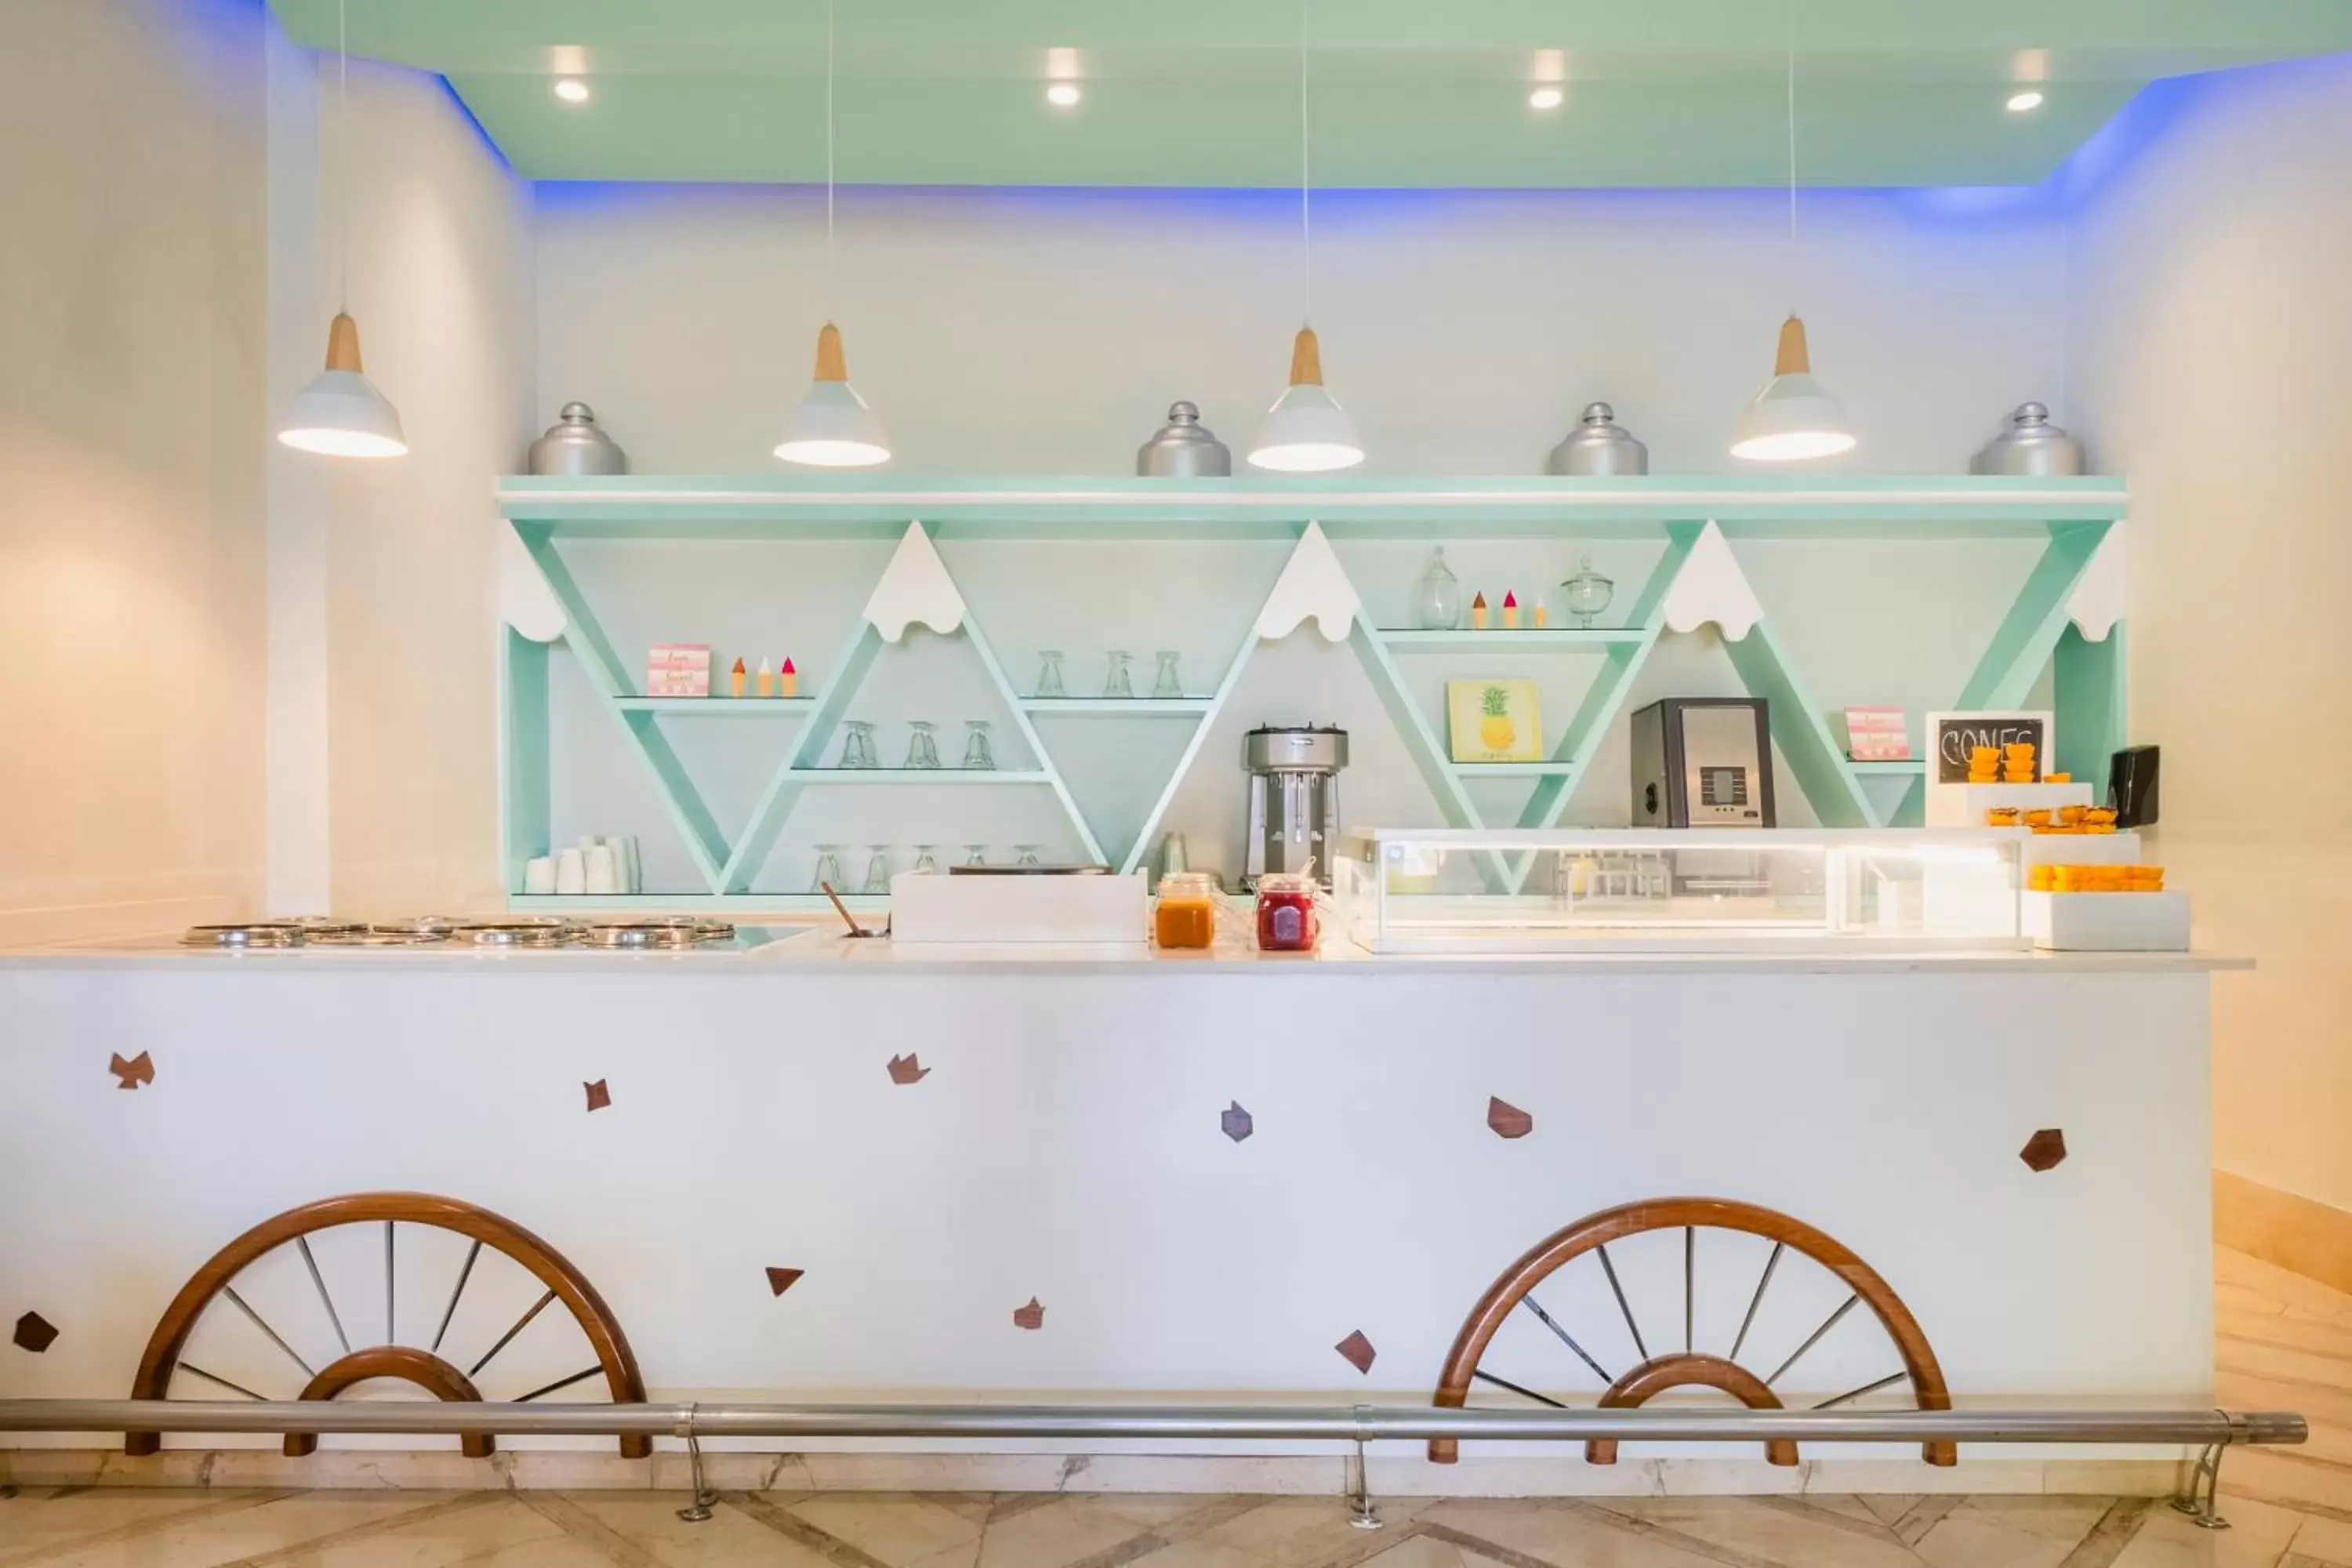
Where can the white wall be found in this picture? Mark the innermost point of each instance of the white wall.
(2211, 324)
(384, 735)
(1047, 331)
(132, 428)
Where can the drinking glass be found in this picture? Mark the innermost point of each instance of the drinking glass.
(877, 871)
(923, 745)
(1168, 683)
(1116, 683)
(926, 857)
(975, 854)
(977, 752)
(828, 868)
(1049, 673)
(858, 745)
(1025, 855)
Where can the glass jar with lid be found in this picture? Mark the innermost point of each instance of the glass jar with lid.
(1186, 915)
(1288, 920)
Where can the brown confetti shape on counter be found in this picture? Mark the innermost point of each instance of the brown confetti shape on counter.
(1358, 1352)
(1032, 1316)
(1236, 1122)
(2043, 1150)
(599, 1097)
(35, 1334)
(1508, 1120)
(907, 1070)
(782, 1279)
(139, 1069)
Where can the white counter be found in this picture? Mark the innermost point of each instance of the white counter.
(1066, 1144)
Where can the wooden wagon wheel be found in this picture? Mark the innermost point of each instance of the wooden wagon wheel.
(1690, 1367)
(422, 1366)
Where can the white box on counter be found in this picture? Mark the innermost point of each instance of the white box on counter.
(935, 906)
(2108, 922)
(2082, 849)
(1964, 805)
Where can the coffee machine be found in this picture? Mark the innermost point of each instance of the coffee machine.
(1293, 798)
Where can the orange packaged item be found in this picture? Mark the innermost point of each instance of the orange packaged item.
(2057, 778)
(1186, 915)
(2038, 817)
(2001, 817)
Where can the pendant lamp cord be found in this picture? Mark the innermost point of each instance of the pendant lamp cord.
(344, 156)
(831, 272)
(1795, 260)
(1306, 184)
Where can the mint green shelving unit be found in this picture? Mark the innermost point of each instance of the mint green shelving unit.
(2072, 518)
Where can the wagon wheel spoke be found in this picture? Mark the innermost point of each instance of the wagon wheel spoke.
(1815, 1338)
(303, 1243)
(464, 1274)
(508, 1338)
(193, 1370)
(1483, 1376)
(1619, 1291)
(1532, 1304)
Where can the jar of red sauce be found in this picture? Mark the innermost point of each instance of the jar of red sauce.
(1287, 921)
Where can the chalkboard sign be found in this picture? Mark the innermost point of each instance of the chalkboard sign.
(1951, 736)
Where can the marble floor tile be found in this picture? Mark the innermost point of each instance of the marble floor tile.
(641, 1530)
(1290, 1533)
(2323, 1541)
(217, 1537)
(1071, 1529)
(897, 1528)
(1563, 1536)
(1429, 1552)
(41, 1519)
(1817, 1539)
(2009, 1532)
(482, 1529)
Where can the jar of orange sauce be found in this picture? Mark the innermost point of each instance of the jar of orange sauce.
(1186, 915)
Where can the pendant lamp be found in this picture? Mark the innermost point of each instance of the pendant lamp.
(1306, 431)
(340, 414)
(833, 427)
(1794, 417)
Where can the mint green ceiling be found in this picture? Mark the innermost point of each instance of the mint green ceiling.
(1204, 92)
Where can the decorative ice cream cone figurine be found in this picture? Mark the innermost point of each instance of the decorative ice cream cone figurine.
(1478, 612)
(788, 682)
(736, 678)
(1510, 611)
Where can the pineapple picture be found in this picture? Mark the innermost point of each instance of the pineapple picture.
(1493, 721)
(1496, 730)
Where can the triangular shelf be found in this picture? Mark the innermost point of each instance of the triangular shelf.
(2065, 617)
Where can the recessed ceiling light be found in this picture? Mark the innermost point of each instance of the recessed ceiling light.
(1546, 97)
(1063, 94)
(2024, 100)
(572, 89)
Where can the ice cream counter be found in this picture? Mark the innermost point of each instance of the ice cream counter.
(832, 1168)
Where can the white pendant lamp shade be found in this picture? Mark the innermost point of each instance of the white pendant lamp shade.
(340, 414)
(833, 427)
(1306, 431)
(1794, 417)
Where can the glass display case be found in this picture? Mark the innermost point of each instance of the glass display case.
(1678, 891)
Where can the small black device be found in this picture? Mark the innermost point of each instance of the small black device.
(2131, 785)
(1702, 762)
